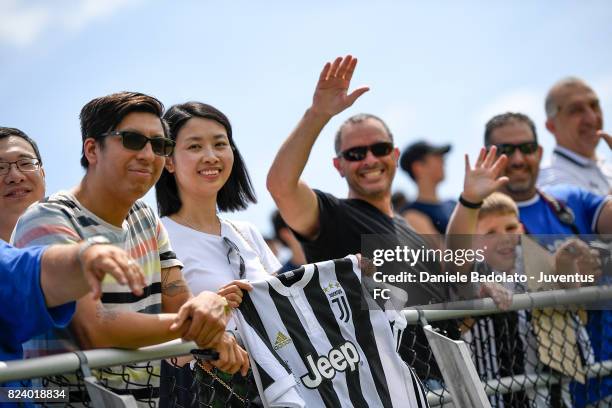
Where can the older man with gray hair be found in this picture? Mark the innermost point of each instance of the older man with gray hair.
(575, 118)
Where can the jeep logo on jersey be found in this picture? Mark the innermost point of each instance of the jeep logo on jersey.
(339, 358)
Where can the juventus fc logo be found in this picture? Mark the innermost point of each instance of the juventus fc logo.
(336, 294)
(345, 312)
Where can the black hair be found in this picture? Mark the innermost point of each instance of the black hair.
(504, 119)
(236, 193)
(7, 131)
(103, 114)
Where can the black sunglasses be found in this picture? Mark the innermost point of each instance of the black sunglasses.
(233, 247)
(358, 153)
(161, 146)
(509, 148)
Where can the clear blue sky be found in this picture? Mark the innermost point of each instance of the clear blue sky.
(437, 70)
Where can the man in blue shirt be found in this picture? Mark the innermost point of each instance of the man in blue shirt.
(561, 212)
(40, 284)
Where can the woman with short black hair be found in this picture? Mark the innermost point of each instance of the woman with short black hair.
(206, 175)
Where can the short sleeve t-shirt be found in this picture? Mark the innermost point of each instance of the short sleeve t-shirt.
(20, 274)
(540, 218)
(438, 213)
(62, 219)
(342, 224)
(205, 256)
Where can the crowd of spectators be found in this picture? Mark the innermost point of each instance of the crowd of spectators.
(186, 266)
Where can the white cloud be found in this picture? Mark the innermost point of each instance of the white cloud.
(22, 22)
(20, 25)
(88, 10)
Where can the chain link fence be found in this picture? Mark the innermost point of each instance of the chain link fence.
(545, 352)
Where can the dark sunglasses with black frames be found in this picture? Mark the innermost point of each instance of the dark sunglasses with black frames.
(161, 146)
(508, 148)
(359, 153)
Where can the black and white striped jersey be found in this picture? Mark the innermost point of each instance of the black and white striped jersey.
(318, 322)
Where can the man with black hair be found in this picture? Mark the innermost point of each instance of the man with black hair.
(331, 227)
(22, 177)
(552, 214)
(124, 146)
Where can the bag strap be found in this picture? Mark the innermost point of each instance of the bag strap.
(250, 244)
(561, 210)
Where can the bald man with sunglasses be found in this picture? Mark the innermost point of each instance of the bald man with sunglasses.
(330, 227)
(365, 157)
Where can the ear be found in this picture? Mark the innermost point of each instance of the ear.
(550, 125)
(169, 164)
(90, 149)
(396, 155)
(42, 173)
(521, 228)
(336, 162)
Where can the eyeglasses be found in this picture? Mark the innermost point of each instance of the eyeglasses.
(509, 148)
(24, 165)
(162, 146)
(358, 153)
(233, 247)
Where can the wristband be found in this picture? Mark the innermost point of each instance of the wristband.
(469, 204)
(89, 242)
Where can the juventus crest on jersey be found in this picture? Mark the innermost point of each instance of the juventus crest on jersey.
(317, 340)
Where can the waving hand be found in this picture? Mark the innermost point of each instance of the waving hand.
(484, 178)
(331, 94)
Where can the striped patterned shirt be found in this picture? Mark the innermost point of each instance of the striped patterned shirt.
(61, 219)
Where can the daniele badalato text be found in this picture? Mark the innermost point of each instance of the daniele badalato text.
(459, 258)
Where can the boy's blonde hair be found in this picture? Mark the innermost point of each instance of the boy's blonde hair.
(498, 204)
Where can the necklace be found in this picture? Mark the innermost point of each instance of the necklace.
(187, 222)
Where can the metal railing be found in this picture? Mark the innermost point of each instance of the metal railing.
(560, 299)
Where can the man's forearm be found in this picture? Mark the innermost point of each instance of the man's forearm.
(113, 328)
(61, 278)
(292, 157)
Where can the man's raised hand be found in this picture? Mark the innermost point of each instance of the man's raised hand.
(331, 94)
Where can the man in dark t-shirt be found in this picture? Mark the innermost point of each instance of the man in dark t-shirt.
(331, 228)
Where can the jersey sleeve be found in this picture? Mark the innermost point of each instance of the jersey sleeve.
(275, 382)
(20, 273)
(44, 224)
